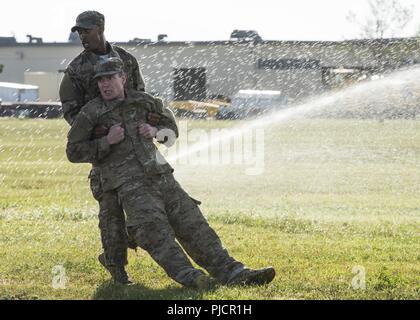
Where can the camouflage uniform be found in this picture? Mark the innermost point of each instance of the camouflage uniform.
(158, 210)
(76, 89)
(78, 86)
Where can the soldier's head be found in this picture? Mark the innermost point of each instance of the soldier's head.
(111, 79)
(90, 26)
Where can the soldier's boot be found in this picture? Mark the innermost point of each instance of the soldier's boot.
(204, 282)
(118, 273)
(253, 276)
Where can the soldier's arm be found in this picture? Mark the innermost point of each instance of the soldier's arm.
(139, 85)
(71, 98)
(80, 147)
(167, 120)
(137, 76)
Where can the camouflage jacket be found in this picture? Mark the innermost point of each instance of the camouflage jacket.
(133, 157)
(78, 86)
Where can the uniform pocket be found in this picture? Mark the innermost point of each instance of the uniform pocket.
(184, 194)
(197, 202)
(95, 184)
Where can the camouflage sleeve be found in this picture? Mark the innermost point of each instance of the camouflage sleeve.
(71, 98)
(137, 76)
(80, 148)
(167, 120)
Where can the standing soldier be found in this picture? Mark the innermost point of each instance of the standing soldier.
(76, 89)
(158, 209)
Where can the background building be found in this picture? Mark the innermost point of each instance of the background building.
(196, 70)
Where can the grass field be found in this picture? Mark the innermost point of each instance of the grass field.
(334, 195)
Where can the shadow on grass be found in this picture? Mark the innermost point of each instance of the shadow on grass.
(111, 291)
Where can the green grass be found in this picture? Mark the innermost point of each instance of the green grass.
(334, 194)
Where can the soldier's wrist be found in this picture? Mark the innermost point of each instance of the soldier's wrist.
(104, 143)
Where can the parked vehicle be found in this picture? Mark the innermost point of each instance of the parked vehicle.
(252, 103)
(194, 109)
(17, 92)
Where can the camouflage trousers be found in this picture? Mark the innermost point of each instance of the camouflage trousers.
(158, 210)
(111, 222)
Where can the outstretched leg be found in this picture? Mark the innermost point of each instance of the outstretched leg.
(148, 224)
(201, 242)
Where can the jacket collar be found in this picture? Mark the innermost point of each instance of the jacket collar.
(130, 97)
(108, 106)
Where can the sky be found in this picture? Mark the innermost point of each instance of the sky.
(193, 20)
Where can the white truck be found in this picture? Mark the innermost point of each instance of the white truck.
(252, 103)
(17, 92)
(21, 100)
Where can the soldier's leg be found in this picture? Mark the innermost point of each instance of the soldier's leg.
(113, 229)
(194, 233)
(148, 224)
(111, 223)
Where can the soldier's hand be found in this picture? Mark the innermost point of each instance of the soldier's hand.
(116, 134)
(99, 132)
(153, 118)
(147, 131)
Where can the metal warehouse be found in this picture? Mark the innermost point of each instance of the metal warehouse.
(198, 70)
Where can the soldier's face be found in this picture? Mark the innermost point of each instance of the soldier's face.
(112, 87)
(91, 38)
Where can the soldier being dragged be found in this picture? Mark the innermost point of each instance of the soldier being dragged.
(157, 209)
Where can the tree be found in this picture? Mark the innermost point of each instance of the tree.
(1, 68)
(387, 18)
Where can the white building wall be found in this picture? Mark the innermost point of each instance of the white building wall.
(34, 58)
(229, 67)
(48, 83)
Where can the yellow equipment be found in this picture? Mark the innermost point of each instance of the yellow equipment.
(194, 108)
